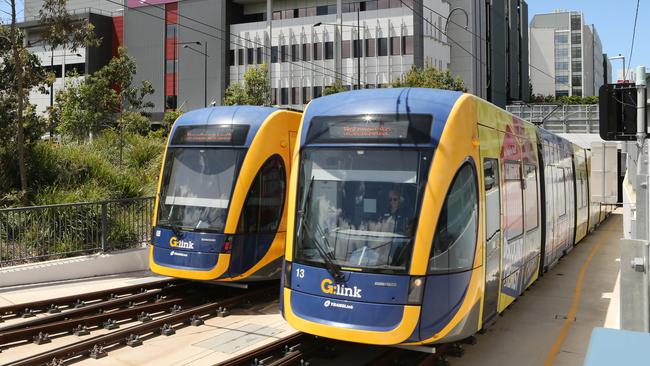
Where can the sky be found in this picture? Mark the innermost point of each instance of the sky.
(614, 21)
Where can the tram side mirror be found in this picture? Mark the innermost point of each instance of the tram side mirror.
(617, 112)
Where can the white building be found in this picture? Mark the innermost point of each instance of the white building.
(566, 55)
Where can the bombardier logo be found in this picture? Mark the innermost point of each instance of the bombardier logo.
(328, 287)
(175, 243)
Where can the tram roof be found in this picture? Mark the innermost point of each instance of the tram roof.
(401, 101)
(253, 116)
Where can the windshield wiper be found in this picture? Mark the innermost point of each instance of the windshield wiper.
(331, 267)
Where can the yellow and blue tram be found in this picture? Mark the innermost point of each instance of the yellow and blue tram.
(418, 215)
(220, 210)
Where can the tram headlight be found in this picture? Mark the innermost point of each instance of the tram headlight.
(286, 276)
(416, 290)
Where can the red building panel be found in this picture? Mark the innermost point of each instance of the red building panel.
(171, 53)
(171, 13)
(117, 40)
(170, 84)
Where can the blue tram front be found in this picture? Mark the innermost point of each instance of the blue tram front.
(362, 263)
(220, 209)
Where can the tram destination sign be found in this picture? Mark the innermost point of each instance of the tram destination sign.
(210, 135)
(370, 129)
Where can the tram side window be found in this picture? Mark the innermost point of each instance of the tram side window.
(530, 197)
(492, 199)
(454, 241)
(561, 188)
(262, 210)
(513, 200)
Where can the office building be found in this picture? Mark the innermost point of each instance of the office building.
(567, 55)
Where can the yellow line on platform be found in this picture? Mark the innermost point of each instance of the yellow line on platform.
(557, 345)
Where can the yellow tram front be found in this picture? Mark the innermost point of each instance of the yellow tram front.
(383, 219)
(220, 207)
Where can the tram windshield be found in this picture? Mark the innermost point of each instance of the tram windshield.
(358, 208)
(197, 185)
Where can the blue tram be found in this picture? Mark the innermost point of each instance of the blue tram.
(418, 215)
(220, 210)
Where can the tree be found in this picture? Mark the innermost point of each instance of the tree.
(336, 87)
(89, 105)
(255, 91)
(21, 79)
(429, 77)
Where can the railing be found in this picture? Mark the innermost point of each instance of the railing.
(560, 118)
(29, 234)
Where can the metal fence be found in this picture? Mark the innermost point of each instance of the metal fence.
(37, 233)
(559, 118)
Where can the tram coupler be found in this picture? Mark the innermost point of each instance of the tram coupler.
(112, 296)
(222, 312)
(80, 330)
(133, 340)
(196, 320)
(27, 313)
(144, 317)
(55, 362)
(53, 309)
(97, 352)
(110, 324)
(42, 338)
(167, 330)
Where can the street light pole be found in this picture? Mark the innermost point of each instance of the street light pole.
(358, 49)
(620, 57)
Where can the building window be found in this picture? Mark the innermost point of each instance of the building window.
(561, 38)
(369, 5)
(289, 14)
(577, 91)
(382, 46)
(356, 51)
(562, 79)
(394, 46)
(284, 96)
(240, 56)
(274, 96)
(383, 4)
(231, 58)
(576, 66)
(329, 50)
(277, 15)
(274, 54)
(78, 69)
(170, 66)
(170, 102)
(284, 54)
(576, 38)
(305, 95)
(322, 10)
(561, 93)
(305, 52)
(318, 51)
(345, 49)
(576, 80)
(260, 55)
(576, 22)
(576, 52)
(562, 66)
(294, 52)
(171, 30)
(250, 56)
(295, 98)
(407, 45)
(57, 70)
(318, 92)
(370, 48)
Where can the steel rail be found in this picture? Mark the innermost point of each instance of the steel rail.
(94, 346)
(68, 326)
(16, 309)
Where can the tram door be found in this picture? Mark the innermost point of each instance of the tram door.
(492, 237)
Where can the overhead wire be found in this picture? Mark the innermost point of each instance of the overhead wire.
(269, 50)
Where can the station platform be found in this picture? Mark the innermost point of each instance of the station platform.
(552, 323)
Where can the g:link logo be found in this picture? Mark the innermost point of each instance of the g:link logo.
(175, 243)
(328, 287)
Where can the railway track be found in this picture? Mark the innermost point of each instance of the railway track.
(161, 313)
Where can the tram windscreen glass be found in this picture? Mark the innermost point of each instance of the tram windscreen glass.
(415, 128)
(359, 207)
(196, 188)
(210, 135)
